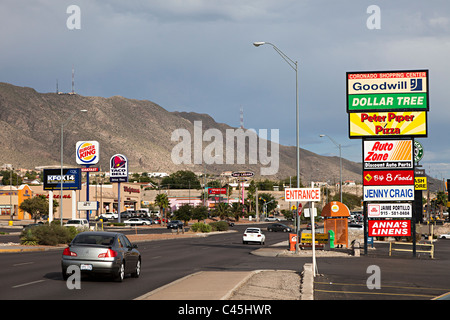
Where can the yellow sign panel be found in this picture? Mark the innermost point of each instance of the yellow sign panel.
(420, 183)
(319, 237)
(387, 124)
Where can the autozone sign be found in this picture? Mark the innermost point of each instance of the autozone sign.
(302, 194)
(389, 193)
(388, 178)
(388, 154)
(389, 228)
(389, 210)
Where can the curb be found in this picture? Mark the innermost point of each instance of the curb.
(307, 284)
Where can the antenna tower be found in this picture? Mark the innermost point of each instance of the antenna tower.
(73, 80)
(242, 118)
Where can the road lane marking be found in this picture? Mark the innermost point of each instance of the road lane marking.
(27, 284)
(383, 286)
(22, 264)
(378, 293)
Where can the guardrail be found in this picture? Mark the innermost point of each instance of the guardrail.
(431, 251)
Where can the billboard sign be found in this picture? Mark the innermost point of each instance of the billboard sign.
(389, 228)
(388, 193)
(302, 194)
(118, 168)
(387, 90)
(387, 124)
(388, 154)
(87, 152)
(389, 210)
(388, 178)
(217, 190)
(420, 183)
(71, 179)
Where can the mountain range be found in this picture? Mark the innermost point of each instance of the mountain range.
(141, 130)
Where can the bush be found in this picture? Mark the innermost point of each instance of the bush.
(219, 226)
(201, 227)
(49, 235)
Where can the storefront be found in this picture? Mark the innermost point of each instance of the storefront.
(11, 198)
(106, 195)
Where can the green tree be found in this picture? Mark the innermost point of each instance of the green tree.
(222, 210)
(184, 213)
(236, 210)
(200, 213)
(16, 179)
(36, 207)
(162, 201)
(182, 179)
(267, 199)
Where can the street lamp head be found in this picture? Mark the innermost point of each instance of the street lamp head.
(322, 135)
(84, 110)
(258, 43)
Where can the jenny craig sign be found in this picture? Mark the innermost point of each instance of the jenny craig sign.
(388, 193)
(302, 194)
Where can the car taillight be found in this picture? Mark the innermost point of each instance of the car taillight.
(245, 235)
(108, 254)
(259, 235)
(67, 252)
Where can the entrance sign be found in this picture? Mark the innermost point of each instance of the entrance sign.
(389, 210)
(389, 228)
(302, 194)
(388, 154)
(387, 124)
(388, 178)
(388, 193)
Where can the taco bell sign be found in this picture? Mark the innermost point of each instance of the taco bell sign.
(118, 168)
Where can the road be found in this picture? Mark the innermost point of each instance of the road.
(37, 275)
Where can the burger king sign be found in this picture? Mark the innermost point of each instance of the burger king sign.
(88, 152)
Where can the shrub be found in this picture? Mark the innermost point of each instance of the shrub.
(201, 227)
(50, 235)
(219, 226)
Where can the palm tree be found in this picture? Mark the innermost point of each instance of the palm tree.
(162, 201)
(222, 210)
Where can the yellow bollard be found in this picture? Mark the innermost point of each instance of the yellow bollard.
(10, 223)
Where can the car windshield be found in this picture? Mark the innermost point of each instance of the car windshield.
(74, 222)
(104, 240)
(252, 231)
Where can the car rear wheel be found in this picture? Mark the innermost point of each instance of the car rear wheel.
(121, 273)
(137, 271)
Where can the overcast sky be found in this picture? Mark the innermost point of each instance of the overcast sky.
(197, 55)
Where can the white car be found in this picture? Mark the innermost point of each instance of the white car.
(444, 236)
(78, 223)
(253, 235)
(109, 215)
(137, 221)
(272, 219)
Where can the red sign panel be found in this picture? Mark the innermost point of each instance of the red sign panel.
(389, 228)
(388, 178)
(217, 191)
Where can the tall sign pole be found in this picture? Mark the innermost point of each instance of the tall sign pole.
(87, 154)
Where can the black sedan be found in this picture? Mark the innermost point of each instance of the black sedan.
(175, 224)
(278, 227)
(108, 253)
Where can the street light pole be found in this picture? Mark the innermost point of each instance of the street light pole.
(294, 65)
(62, 160)
(340, 161)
